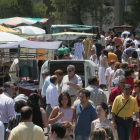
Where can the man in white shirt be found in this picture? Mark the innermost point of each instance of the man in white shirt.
(138, 51)
(125, 41)
(46, 77)
(51, 95)
(137, 43)
(125, 32)
(102, 40)
(7, 103)
(1, 131)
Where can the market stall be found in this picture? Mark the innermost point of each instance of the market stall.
(25, 87)
(81, 42)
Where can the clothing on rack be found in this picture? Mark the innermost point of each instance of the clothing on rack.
(27, 68)
(79, 49)
(88, 42)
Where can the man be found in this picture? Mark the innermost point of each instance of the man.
(46, 77)
(59, 74)
(26, 130)
(51, 95)
(118, 52)
(102, 40)
(98, 49)
(6, 103)
(125, 32)
(111, 56)
(123, 107)
(117, 90)
(138, 51)
(86, 113)
(137, 43)
(127, 39)
(96, 95)
(57, 131)
(2, 129)
(117, 40)
(130, 50)
(14, 121)
(71, 83)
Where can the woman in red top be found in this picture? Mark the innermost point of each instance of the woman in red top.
(134, 133)
(129, 74)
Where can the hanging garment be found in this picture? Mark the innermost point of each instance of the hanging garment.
(79, 49)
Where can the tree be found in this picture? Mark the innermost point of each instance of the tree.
(22, 8)
(132, 18)
(73, 11)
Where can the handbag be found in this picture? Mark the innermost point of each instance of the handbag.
(121, 109)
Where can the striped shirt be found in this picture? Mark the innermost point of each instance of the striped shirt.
(13, 122)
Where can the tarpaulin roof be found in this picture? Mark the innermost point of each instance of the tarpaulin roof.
(15, 21)
(63, 36)
(33, 45)
(57, 28)
(5, 29)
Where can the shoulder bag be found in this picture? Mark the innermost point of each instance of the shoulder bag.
(121, 109)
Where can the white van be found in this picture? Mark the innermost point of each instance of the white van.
(84, 68)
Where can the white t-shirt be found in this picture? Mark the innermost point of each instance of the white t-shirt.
(136, 44)
(112, 73)
(125, 32)
(107, 73)
(2, 129)
(95, 59)
(138, 52)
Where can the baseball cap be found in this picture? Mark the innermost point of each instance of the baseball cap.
(127, 86)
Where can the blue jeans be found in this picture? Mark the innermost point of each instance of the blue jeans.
(124, 128)
(79, 137)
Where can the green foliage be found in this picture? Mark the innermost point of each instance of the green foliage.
(132, 18)
(73, 11)
(22, 8)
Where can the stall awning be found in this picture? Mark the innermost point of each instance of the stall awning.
(33, 45)
(63, 36)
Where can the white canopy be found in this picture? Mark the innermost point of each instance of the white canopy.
(8, 37)
(33, 45)
(30, 30)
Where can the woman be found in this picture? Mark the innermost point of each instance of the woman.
(98, 134)
(112, 73)
(39, 114)
(129, 74)
(102, 111)
(120, 72)
(59, 74)
(108, 75)
(102, 68)
(134, 60)
(134, 133)
(63, 112)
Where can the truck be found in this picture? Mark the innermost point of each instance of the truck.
(83, 68)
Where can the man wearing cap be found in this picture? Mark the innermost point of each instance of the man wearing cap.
(46, 77)
(122, 111)
(71, 83)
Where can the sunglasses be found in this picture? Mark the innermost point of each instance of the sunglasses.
(69, 70)
(122, 82)
(135, 86)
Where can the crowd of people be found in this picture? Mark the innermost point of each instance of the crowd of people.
(70, 111)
